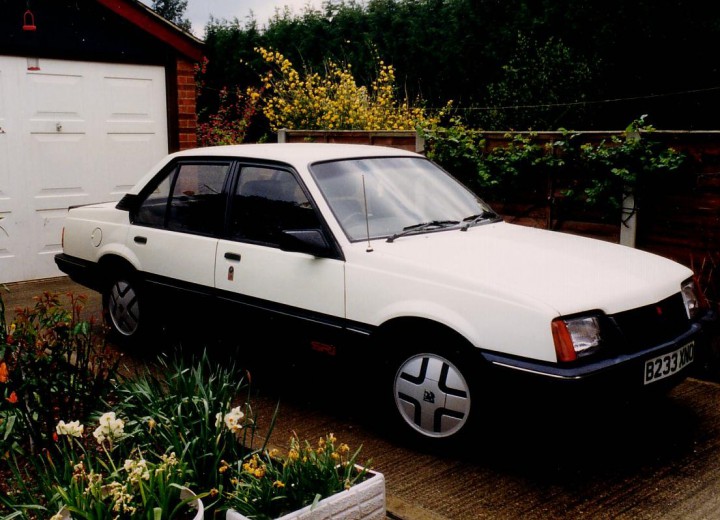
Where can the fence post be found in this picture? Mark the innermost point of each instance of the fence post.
(628, 220)
(628, 215)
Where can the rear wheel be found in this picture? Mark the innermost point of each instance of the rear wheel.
(124, 309)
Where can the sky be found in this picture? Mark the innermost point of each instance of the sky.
(199, 11)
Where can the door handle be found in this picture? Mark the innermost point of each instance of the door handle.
(140, 240)
(235, 257)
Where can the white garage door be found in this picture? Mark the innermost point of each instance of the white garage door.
(70, 133)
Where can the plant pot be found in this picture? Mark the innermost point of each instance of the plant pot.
(363, 501)
(195, 505)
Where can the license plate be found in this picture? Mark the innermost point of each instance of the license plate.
(668, 364)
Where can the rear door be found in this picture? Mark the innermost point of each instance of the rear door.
(174, 230)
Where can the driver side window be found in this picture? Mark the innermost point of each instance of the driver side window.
(266, 202)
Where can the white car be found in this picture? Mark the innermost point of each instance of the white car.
(378, 252)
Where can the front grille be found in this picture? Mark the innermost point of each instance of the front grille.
(652, 325)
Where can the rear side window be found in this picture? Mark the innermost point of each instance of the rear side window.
(189, 199)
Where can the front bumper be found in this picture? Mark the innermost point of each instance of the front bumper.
(622, 371)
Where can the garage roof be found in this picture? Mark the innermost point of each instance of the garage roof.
(94, 30)
(147, 19)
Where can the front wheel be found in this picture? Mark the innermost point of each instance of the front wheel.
(435, 378)
(432, 396)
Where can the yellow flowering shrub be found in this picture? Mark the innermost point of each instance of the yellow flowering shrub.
(332, 101)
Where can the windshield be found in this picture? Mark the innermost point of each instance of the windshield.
(401, 193)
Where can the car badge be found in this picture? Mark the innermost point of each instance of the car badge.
(428, 396)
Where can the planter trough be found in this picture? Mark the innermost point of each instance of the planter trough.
(363, 501)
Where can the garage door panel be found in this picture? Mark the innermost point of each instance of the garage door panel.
(12, 250)
(6, 187)
(14, 211)
(48, 225)
(135, 114)
(129, 100)
(56, 104)
(60, 164)
(130, 155)
(53, 95)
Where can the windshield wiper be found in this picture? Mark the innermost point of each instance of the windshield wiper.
(485, 216)
(422, 226)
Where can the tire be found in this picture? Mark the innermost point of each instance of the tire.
(124, 309)
(434, 391)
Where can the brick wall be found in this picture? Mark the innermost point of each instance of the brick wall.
(187, 104)
(404, 139)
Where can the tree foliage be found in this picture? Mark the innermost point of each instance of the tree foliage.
(173, 11)
(516, 64)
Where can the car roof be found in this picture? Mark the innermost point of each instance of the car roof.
(297, 153)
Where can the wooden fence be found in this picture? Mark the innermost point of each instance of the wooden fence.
(682, 224)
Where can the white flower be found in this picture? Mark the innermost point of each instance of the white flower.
(110, 427)
(137, 470)
(233, 419)
(73, 428)
(218, 419)
(170, 460)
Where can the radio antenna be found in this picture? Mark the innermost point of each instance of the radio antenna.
(367, 218)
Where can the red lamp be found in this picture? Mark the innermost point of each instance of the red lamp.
(29, 21)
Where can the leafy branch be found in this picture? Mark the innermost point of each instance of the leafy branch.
(597, 174)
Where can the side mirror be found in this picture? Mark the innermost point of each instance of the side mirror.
(129, 202)
(310, 241)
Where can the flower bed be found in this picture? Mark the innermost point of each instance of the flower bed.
(181, 425)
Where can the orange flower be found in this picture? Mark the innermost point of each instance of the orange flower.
(12, 399)
(3, 372)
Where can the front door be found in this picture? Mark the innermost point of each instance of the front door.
(250, 263)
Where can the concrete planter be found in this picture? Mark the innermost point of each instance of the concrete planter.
(364, 501)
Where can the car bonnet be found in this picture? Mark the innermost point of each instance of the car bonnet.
(566, 272)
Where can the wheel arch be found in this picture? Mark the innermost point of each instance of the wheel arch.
(114, 261)
(405, 328)
(430, 405)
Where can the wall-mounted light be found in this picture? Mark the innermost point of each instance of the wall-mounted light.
(29, 21)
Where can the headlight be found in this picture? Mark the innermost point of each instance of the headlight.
(691, 297)
(576, 337)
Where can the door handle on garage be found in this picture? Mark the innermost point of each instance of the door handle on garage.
(140, 240)
(235, 257)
